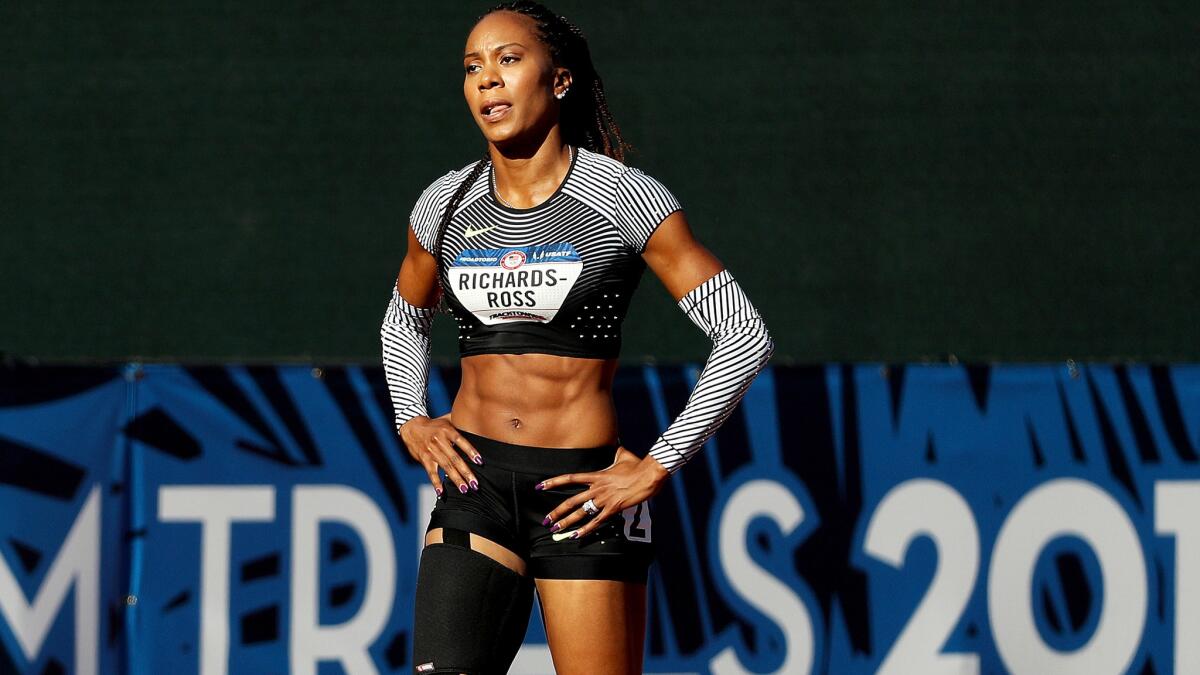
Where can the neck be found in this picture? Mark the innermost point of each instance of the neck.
(528, 176)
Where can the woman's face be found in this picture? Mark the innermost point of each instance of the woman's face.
(510, 79)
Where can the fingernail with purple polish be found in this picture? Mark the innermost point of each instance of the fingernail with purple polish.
(475, 485)
(438, 490)
(478, 459)
(556, 527)
(546, 520)
(575, 534)
(539, 486)
(463, 488)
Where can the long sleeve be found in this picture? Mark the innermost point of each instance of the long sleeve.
(741, 347)
(405, 337)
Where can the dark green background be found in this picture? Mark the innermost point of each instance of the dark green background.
(889, 181)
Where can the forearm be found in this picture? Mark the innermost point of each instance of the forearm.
(741, 347)
(404, 335)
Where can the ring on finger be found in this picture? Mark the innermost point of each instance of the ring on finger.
(589, 507)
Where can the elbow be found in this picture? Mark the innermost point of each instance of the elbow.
(767, 347)
(748, 344)
(765, 351)
(762, 344)
(387, 332)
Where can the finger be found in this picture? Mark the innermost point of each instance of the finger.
(568, 506)
(431, 469)
(572, 514)
(568, 479)
(624, 454)
(464, 445)
(459, 464)
(596, 521)
(455, 459)
(568, 521)
(446, 464)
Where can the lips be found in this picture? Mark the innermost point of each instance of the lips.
(495, 110)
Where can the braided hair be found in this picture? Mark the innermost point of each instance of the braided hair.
(585, 119)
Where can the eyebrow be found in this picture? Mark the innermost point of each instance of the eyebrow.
(510, 44)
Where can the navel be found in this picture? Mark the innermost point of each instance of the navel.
(515, 422)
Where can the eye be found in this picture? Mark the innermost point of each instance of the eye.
(509, 58)
(471, 68)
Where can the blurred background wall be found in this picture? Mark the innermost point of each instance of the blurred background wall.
(213, 182)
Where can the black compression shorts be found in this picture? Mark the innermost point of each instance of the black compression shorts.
(509, 511)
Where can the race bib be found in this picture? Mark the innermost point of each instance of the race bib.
(523, 283)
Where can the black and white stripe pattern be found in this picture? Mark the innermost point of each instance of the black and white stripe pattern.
(607, 212)
(642, 203)
(405, 337)
(625, 197)
(741, 347)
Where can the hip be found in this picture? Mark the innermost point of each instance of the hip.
(509, 510)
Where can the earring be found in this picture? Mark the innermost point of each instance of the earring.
(562, 93)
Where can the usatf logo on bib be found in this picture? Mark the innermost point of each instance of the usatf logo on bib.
(521, 283)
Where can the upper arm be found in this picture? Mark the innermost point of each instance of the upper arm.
(651, 222)
(417, 281)
(677, 259)
(641, 204)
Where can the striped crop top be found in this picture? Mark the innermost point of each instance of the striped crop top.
(552, 279)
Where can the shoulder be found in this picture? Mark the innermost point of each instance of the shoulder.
(427, 211)
(619, 178)
(635, 201)
(614, 174)
(445, 183)
(598, 167)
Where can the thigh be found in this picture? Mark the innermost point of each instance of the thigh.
(594, 625)
(471, 607)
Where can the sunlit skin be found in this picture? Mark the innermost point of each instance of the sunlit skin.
(539, 399)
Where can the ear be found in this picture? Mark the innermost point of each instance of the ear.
(562, 79)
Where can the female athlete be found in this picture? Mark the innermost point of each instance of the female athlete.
(535, 249)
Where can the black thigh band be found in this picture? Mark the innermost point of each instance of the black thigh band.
(456, 537)
(466, 521)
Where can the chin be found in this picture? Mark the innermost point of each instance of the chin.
(507, 135)
(494, 133)
(500, 137)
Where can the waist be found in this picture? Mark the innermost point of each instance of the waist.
(534, 459)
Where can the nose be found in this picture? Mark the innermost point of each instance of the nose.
(489, 78)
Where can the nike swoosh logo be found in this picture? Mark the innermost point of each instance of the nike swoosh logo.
(471, 233)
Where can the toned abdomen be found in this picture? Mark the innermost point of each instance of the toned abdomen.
(537, 399)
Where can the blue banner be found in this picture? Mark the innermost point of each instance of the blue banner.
(847, 519)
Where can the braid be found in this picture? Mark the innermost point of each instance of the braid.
(586, 120)
(449, 213)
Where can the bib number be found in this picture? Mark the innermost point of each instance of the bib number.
(523, 283)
